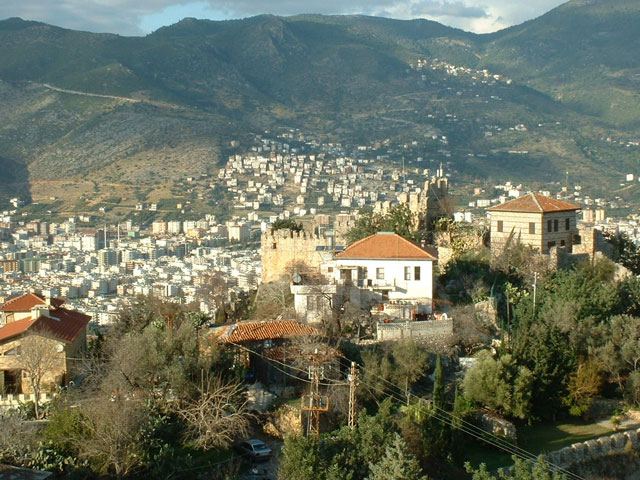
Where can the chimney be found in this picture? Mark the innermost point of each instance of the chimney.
(39, 311)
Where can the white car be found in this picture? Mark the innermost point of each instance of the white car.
(254, 449)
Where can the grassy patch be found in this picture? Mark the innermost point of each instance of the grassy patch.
(537, 439)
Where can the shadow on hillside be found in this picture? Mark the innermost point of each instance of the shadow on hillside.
(14, 180)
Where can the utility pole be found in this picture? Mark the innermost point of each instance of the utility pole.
(314, 403)
(535, 284)
(353, 383)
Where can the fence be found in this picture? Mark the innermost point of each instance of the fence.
(426, 329)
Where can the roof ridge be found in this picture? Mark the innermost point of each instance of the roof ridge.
(535, 199)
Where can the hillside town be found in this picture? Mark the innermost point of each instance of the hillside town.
(322, 255)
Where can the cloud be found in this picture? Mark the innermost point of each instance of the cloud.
(138, 17)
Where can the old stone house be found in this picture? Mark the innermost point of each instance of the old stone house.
(535, 220)
(32, 321)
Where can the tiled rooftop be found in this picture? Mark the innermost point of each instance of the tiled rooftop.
(267, 330)
(534, 203)
(62, 324)
(26, 302)
(385, 245)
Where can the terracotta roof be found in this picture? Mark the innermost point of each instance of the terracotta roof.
(385, 245)
(26, 302)
(66, 325)
(268, 330)
(534, 203)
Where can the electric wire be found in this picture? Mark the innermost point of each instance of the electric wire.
(441, 415)
(471, 429)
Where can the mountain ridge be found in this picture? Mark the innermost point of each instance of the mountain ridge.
(340, 78)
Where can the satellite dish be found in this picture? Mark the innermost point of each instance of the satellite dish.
(297, 278)
(59, 347)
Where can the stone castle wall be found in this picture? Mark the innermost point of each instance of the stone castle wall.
(284, 249)
(580, 452)
(415, 330)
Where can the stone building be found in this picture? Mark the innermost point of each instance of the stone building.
(285, 250)
(535, 220)
(427, 204)
(33, 321)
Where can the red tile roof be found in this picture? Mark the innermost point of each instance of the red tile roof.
(26, 302)
(534, 203)
(65, 325)
(267, 330)
(385, 245)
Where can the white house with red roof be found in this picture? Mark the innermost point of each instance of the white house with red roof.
(377, 271)
(63, 331)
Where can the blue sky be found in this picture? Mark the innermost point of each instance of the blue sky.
(139, 17)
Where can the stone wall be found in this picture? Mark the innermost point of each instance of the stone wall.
(416, 330)
(580, 452)
(286, 420)
(284, 248)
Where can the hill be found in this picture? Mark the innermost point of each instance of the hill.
(129, 114)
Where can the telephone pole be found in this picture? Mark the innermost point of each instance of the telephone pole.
(353, 383)
(315, 403)
(535, 285)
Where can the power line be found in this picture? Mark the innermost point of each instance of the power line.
(471, 429)
(441, 415)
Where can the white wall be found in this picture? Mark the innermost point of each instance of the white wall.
(420, 290)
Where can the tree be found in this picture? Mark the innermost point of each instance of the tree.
(274, 299)
(500, 384)
(216, 416)
(620, 352)
(286, 223)
(625, 250)
(300, 458)
(399, 219)
(110, 434)
(438, 385)
(521, 470)
(396, 464)
(41, 358)
(584, 385)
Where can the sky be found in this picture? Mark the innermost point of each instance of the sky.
(140, 17)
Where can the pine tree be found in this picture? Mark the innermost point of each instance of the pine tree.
(396, 464)
(438, 385)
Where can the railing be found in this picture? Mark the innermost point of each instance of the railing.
(15, 400)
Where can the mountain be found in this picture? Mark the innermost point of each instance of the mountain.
(580, 53)
(97, 115)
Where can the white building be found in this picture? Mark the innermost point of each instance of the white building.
(385, 272)
(388, 268)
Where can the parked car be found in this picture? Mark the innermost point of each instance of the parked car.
(254, 450)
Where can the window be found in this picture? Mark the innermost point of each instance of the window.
(577, 239)
(551, 244)
(549, 225)
(567, 223)
(407, 273)
(380, 273)
(562, 243)
(532, 227)
(416, 273)
(500, 226)
(555, 225)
